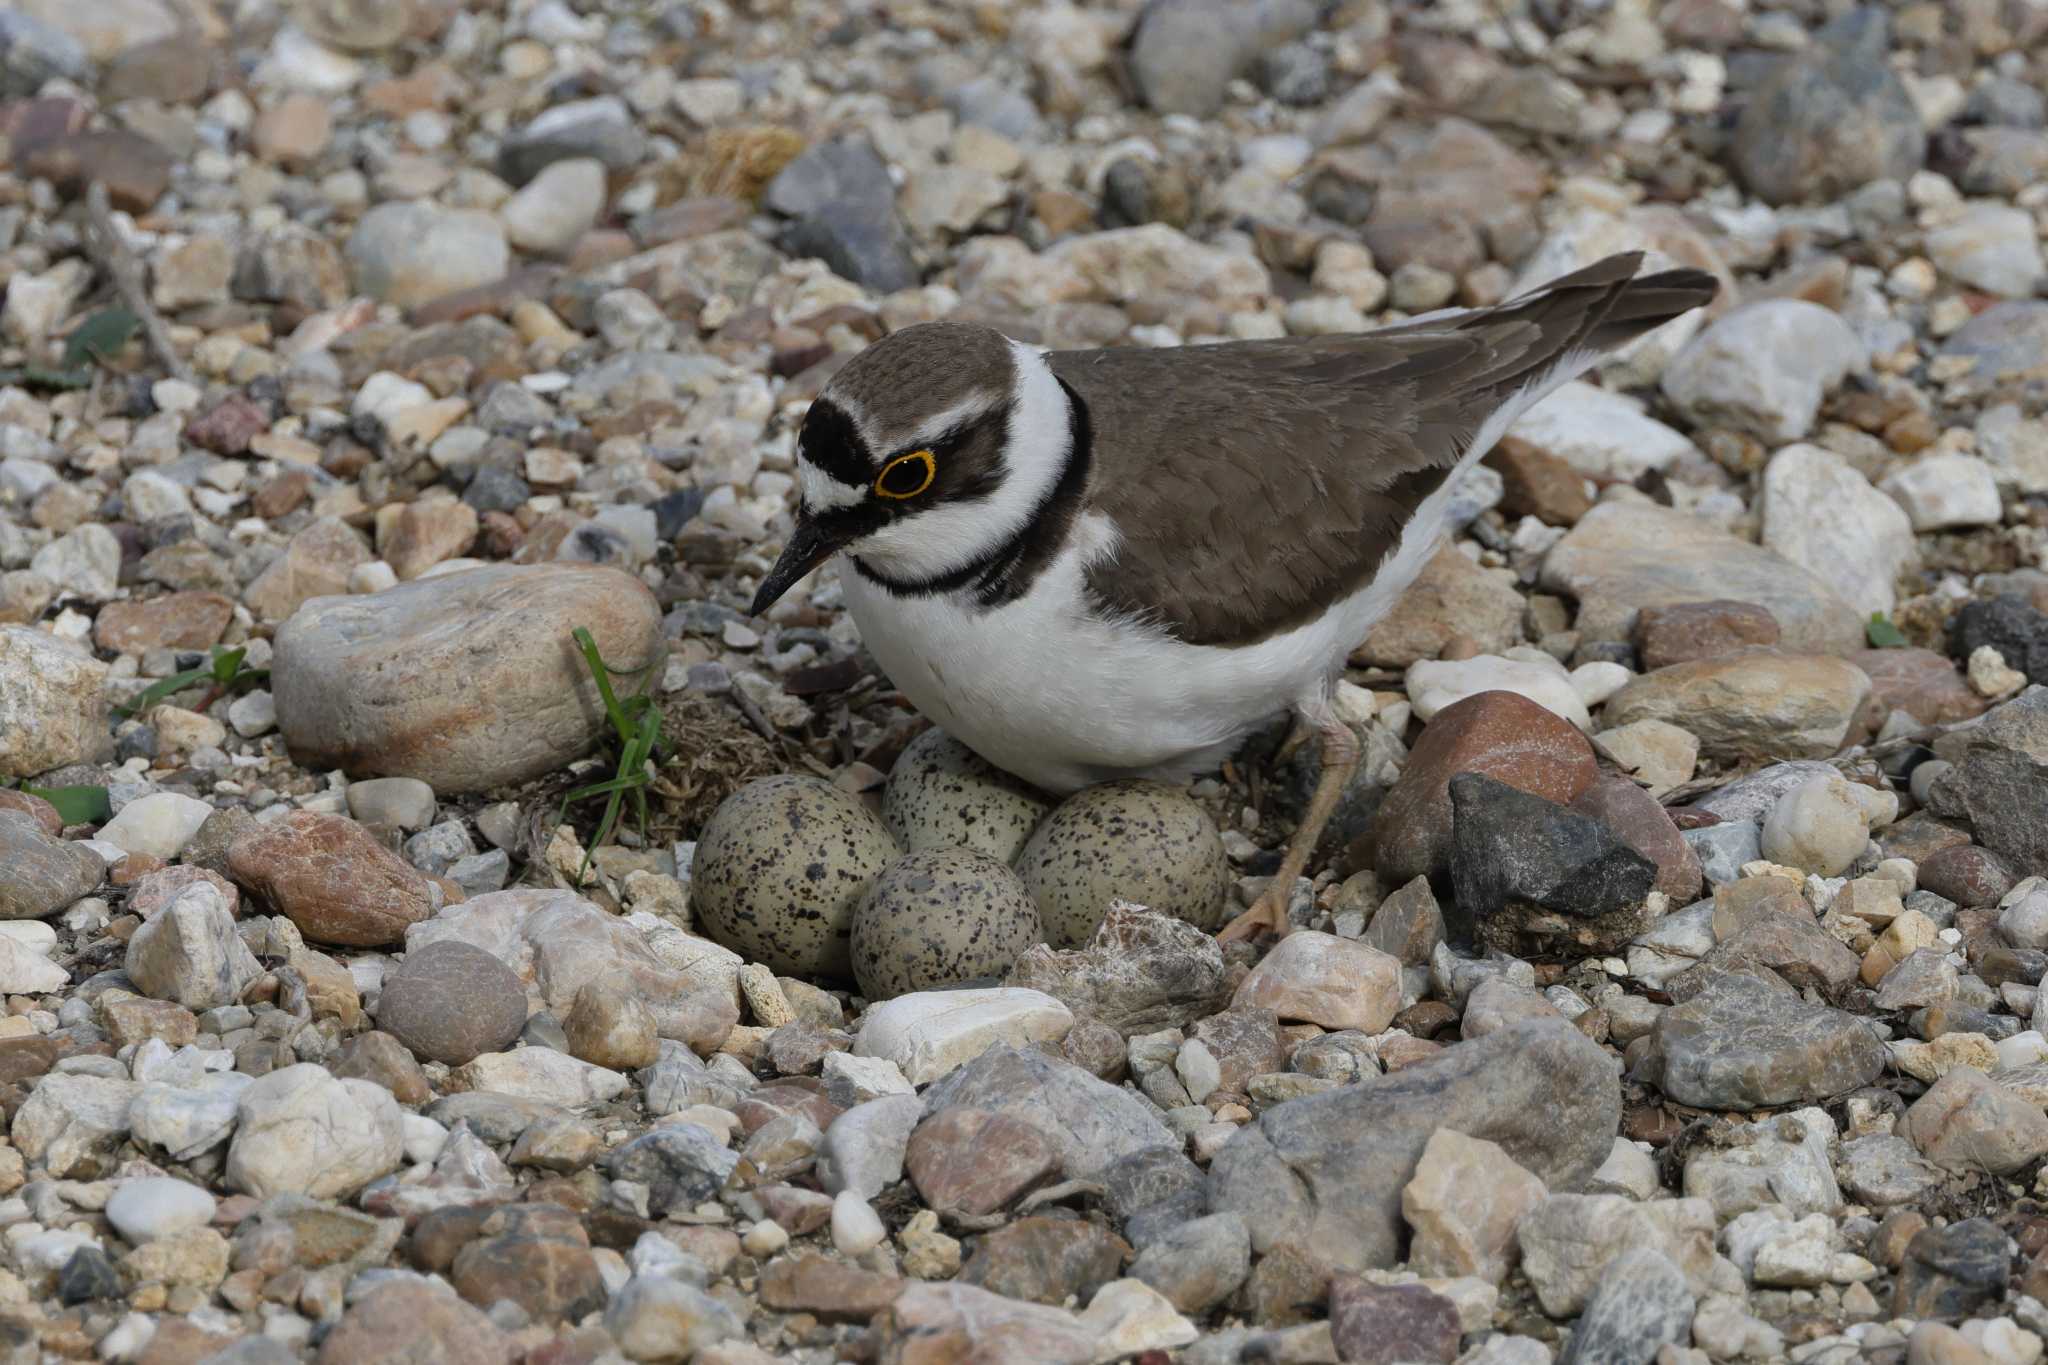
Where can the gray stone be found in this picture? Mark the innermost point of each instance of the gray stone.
(865, 1145)
(601, 127)
(681, 1164)
(1642, 1305)
(1882, 1170)
(844, 209)
(1185, 52)
(1326, 1172)
(1764, 369)
(2001, 783)
(1510, 849)
(1198, 1264)
(1153, 1191)
(1091, 1122)
(412, 252)
(189, 952)
(450, 1001)
(44, 874)
(1822, 514)
(70, 1125)
(1142, 972)
(1724, 848)
(1743, 1043)
(2005, 338)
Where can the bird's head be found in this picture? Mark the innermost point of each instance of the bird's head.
(926, 450)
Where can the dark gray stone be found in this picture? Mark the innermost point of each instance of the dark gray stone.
(2011, 625)
(2001, 784)
(1090, 1121)
(681, 1165)
(602, 127)
(1509, 849)
(1142, 972)
(1746, 1042)
(1325, 1172)
(1641, 1305)
(843, 207)
(1831, 118)
(1153, 1191)
(495, 1117)
(42, 874)
(1949, 1273)
(1185, 53)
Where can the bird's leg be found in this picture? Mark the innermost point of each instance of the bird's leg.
(1340, 754)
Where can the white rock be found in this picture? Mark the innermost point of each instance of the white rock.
(1796, 1255)
(928, 1033)
(186, 1121)
(1433, 684)
(556, 207)
(253, 714)
(858, 1079)
(160, 824)
(23, 971)
(149, 495)
(1600, 432)
(69, 1122)
(384, 395)
(856, 1227)
(2023, 919)
(2015, 446)
(1990, 675)
(1628, 1170)
(301, 1131)
(189, 952)
(1764, 368)
(31, 935)
(1198, 1069)
(542, 1075)
(1824, 516)
(2026, 1048)
(1597, 681)
(1942, 491)
(1819, 826)
(150, 1207)
(1992, 247)
(424, 1139)
(1131, 1318)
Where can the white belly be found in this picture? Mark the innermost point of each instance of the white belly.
(1063, 699)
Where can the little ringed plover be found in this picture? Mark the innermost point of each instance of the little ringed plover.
(1088, 565)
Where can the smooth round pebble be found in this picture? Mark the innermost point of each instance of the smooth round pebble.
(942, 794)
(405, 802)
(154, 1206)
(855, 1226)
(1819, 826)
(1133, 840)
(451, 1002)
(780, 867)
(940, 916)
(764, 1239)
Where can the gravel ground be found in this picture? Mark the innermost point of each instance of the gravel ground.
(1668, 988)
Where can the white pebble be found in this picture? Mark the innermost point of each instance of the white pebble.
(764, 1239)
(855, 1226)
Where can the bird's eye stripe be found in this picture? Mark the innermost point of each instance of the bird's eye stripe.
(926, 469)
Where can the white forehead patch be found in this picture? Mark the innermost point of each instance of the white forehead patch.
(822, 492)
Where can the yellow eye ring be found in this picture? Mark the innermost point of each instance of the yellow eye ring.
(923, 457)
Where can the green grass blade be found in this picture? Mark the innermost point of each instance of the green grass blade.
(76, 805)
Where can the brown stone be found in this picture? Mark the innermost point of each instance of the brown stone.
(1921, 683)
(137, 1020)
(174, 70)
(1245, 1041)
(1372, 1324)
(930, 1324)
(1536, 483)
(1700, 630)
(283, 493)
(35, 808)
(316, 563)
(833, 1290)
(1046, 1260)
(135, 170)
(1640, 821)
(451, 1001)
(293, 131)
(331, 878)
(1453, 596)
(974, 1161)
(441, 1233)
(1967, 874)
(536, 1255)
(228, 426)
(409, 1323)
(179, 620)
(1499, 734)
(1920, 836)
(24, 1059)
(33, 125)
(426, 532)
(794, 1209)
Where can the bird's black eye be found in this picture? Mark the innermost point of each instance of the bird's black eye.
(906, 476)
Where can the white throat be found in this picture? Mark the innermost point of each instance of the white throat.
(1035, 449)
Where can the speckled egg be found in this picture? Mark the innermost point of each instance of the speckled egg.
(1139, 841)
(780, 866)
(944, 795)
(940, 916)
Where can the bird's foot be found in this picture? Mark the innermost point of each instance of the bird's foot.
(1267, 915)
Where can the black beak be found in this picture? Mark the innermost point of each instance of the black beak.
(808, 547)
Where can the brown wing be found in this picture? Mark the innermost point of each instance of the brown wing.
(1255, 483)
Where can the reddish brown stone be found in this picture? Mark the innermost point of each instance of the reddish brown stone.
(24, 1059)
(35, 808)
(157, 890)
(228, 426)
(1502, 735)
(174, 70)
(1920, 836)
(331, 877)
(833, 1290)
(1921, 683)
(1644, 826)
(135, 170)
(1967, 874)
(1536, 483)
(794, 1209)
(1700, 630)
(1373, 1324)
(441, 1233)
(974, 1161)
(179, 620)
(283, 494)
(377, 1056)
(408, 1321)
(536, 1255)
